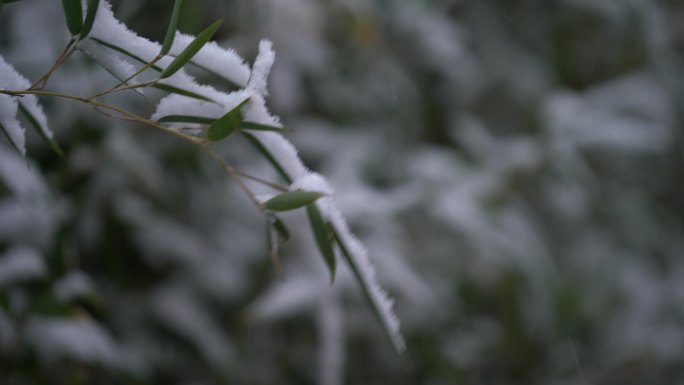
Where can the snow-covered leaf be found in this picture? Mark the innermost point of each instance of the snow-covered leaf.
(184, 57)
(324, 237)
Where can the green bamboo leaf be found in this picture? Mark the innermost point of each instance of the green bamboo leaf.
(190, 51)
(74, 15)
(264, 151)
(277, 223)
(226, 124)
(173, 25)
(282, 230)
(261, 127)
(324, 237)
(91, 12)
(41, 130)
(9, 138)
(292, 200)
(186, 119)
(273, 244)
(180, 91)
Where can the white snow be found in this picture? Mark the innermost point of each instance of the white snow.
(175, 104)
(13, 80)
(107, 28)
(224, 62)
(366, 273)
(10, 124)
(114, 64)
(20, 264)
(284, 152)
(258, 80)
(358, 254)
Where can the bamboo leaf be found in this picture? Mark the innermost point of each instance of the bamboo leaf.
(9, 138)
(93, 6)
(173, 25)
(74, 15)
(124, 52)
(292, 200)
(180, 91)
(324, 237)
(264, 151)
(41, 130)
(190, 51)
(362, 280)
(186, 119)
(261, 127)
(280, 227)
(154, 67)
(226, 124)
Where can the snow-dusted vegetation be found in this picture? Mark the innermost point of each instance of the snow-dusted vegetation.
(512, 172)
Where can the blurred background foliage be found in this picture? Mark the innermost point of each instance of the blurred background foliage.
(514, 166)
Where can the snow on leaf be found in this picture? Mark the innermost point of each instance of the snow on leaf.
(13, 80)
(221, 61)
(356, 256)
(20, 264)
(190, 51)
(262, 67)
(112, 63)
(82, 340)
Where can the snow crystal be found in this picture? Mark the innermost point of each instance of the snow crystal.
(284, 152)
(224, 62)
(261, 68)
(107, 28)
(20, 264)
(258, 112)
(312, 181)
(357, 253)
(358, 257)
